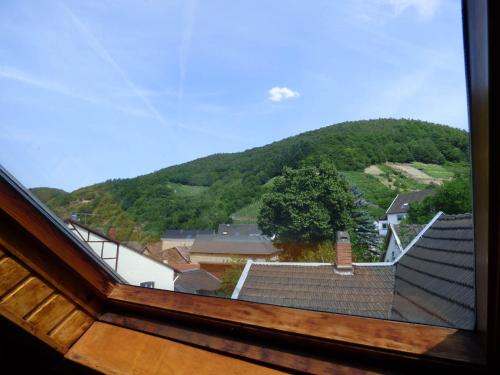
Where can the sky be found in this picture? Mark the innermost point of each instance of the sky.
(93, 90)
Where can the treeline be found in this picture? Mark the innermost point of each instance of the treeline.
(349, 145)
(146, 205)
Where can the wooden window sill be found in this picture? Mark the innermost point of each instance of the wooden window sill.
(373, 338)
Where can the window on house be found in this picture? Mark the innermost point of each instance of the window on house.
(211, 150)
(148, 284)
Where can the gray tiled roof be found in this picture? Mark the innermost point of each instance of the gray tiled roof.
(221, 244)
(239, 229)
(185, 233)
(432, 283)
(435, 278)
(402, 202)
(196, 281)
(367, 292)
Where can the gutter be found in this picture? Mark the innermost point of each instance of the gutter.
(241, 281)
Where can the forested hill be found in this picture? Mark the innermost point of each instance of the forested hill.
(205, 191)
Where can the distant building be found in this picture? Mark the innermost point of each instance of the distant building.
(215, 253)
(197, 281)
(132, 265)
(239, 230)
(181, 237)
(431, 282)
(398, 210)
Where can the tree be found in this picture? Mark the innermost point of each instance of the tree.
(364, 235)
(231, 276)
(453, 197)
(307, 205)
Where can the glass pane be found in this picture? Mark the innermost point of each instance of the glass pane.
(305, 154)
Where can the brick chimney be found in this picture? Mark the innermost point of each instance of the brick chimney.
(112, 233)
(343, 257)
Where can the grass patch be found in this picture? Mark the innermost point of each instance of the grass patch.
(247, 214)
(399, 180)
(458, 168)
(433, 170)
(187, 190)
(373, 190)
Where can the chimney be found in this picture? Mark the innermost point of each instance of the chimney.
(112, 233)
(343, 258)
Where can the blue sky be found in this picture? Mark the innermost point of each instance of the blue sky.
(92, 90)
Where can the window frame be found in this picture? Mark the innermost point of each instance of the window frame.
(309, 334)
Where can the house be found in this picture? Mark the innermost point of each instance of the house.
(398, 209)
(173, 255)
(132, 265)
(431, 282)
(239, 230)
(215, 253)
(197, 281)
(181, 237)
(398, 237)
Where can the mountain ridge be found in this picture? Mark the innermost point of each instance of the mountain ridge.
(220, 184)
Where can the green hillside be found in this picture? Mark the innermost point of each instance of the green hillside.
(207, 191)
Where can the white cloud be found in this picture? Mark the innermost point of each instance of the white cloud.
(378, 11)
(424, 8)
(277, 94)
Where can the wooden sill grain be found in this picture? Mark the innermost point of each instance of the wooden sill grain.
(396, 338)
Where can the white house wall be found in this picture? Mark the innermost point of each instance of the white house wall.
(132, 266)
(393, 218)
(136, 269)
(393, 250)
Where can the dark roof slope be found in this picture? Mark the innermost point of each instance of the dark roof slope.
(221, 244)
(366, 292)
(185, 233)
(435, 278)
(239, 230)
(407, 232)
(402, 202)
(196, 281)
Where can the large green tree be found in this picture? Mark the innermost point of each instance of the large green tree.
(307, 205)
(453, 197)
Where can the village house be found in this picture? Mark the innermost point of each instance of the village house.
(239, 230)
(181, 237)
(196, 281)
(215, 253)
(132, 265)
(431, 282)
(398, 209)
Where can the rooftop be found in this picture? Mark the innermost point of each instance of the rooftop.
(184, 233)
(366, 292)
(431, 283)
(239, 230)
(196, 281)
(401, 203)
(221, 244)
(434, 281)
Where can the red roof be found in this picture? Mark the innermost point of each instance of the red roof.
(185, 267)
